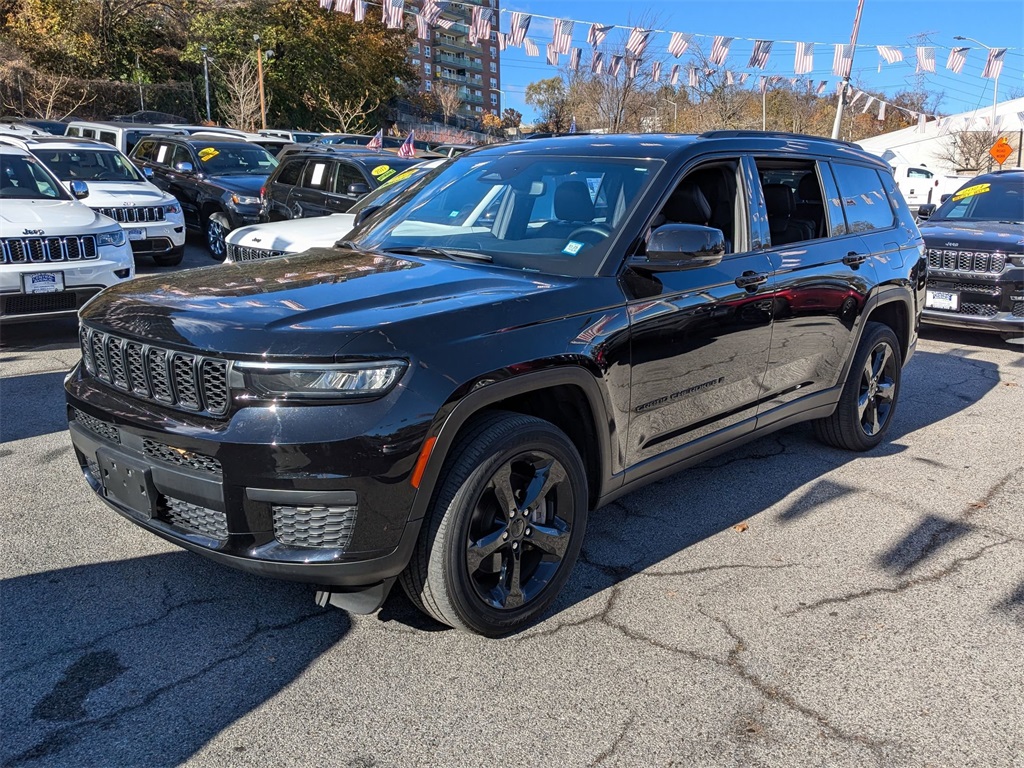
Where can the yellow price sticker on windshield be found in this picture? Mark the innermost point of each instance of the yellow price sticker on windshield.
(208, 153)
(380, 170)
(977, 189)
(400, 177)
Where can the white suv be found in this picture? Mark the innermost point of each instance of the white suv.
(55, 252)
(152, 219)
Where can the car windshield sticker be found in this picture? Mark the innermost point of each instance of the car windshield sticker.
(977, 189)
(380, 170)
(572, 247)
(161, 153)
(206, 154)
(318, 174)
(400, 177)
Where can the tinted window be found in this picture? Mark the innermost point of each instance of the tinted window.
(108, 137)
(347, 175)
(24, 179)
(163, 154)
(794, 200)
(317, 174)
(146, 151)
(88, 165)
(290, 173)
(181, 155)
(998, 199)
(864, 202)
(236, 160)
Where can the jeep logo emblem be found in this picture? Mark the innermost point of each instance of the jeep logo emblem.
(952, 245)
(32, 232)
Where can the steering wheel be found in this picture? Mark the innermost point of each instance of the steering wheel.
(595, 229)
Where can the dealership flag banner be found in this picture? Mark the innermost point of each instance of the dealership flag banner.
(925, 59)
(842, 61)
(674, 79)
(520, 26)
(597, 34)
(597, 63)
(562, 36)
(803, 62)
(957, 59)
(881, 110)
(692, 77)
(430, 11)
(759, 56)
(359, 10)
(345, 6)
(377, 141)
(502, 40)
(408, 149)
(637, 43)
(720, 49)
(392, 13)
(678, 44)
(530, 47)
(480, 26)
(613, 68)
(422, 28)
(574, 59)
(552, 55)
(994, 63)
(656, 71)
(890, 53)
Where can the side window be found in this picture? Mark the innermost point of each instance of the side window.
(347, 175)
(163, 154)
(108, 137)
(181, 155)
(707, 196)
(865, 203)
(794, 200)
(146, 151)
(289, 174)
(88, 133)
(74, 130)
(316, 175)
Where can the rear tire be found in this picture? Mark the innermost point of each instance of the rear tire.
(868, 402)
(505, 527)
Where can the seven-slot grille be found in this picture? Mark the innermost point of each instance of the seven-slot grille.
(966, 261)
(133, 215)
(246, 253)
(177, 379)
(36, 250)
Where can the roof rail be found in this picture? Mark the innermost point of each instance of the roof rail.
(13, 141)
(748, 134)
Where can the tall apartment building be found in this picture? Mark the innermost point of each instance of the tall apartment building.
(450, 58)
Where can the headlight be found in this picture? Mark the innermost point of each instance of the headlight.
(319, 382)
(245, 200)
(1017, 260)
(111, 238)
(172, 208)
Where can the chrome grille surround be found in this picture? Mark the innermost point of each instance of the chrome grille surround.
(181, 380)
(324, 527)
(977, 262)
(140, 215)
(194, 518)
(247, 253)
(36, 250)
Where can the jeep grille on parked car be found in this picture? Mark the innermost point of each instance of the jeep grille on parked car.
(327, 527)
(246, 253)
(177, 379)
(133, 215)
(28, 250)
(192, 517)
(966, 261)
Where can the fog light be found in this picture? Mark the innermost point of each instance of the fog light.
(123, 274)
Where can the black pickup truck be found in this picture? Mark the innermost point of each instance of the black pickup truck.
(537, 329)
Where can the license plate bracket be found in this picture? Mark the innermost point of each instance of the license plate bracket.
(127, 482)
(948, 300)
(136, 234)
(42, 282)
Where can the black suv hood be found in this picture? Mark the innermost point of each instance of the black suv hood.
(315, 303)
(973, 235)
(248, 185)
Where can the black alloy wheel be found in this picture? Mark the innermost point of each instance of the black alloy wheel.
(877, 397)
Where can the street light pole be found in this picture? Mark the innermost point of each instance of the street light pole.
(259, 74)
(206, 81)
(836, 126)
(675, 114)
(995, 81)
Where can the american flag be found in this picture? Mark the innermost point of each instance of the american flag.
(678, 44)
(925, 59)
(881, 110)
(632, 68)
(867, 104)
(359, 10)
(326, 4)
(422, 28)
(552, 53)
(574, 59)
(392, 13)
(890, 53)
(674, 77)
(856, 97)
(759, 56)
(445, 23)
(822, 84)
(503, 40)
(520, 26)
(994, 63)
(344, 6)
(597, 34)
(763, 84)
(656, 71)
(530, 47)
(730, 78)
(1020, 116)
(692, 77)
(407, 149)
(637, 42)
(957, 59)
(804, 61)
(562, 36)
(613, 68)
(743, 77)
(597, 63)
(720, 49)
(842, 60)
(922, 119)
(377, 141)
(480, 26)
(430, 11)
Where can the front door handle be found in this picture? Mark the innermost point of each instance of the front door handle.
(853, 259)
(751, 280)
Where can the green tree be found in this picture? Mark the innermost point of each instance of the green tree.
(550, 96)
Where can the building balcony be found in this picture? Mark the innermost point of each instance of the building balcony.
(460, 61)
(452, 77)
(460, 45)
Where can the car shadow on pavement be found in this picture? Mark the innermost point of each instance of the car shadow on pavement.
(32, 405)
(143, 661)
(56, 333)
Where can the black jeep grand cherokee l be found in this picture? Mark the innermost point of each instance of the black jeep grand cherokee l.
(534, 331)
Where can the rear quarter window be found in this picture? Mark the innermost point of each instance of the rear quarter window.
(865, 202)
(290, 172)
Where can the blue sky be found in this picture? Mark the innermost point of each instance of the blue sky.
(996, 23)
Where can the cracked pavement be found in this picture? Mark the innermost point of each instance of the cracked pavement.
(872, 613)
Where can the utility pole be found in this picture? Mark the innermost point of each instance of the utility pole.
(206, 81)
(138, 77)
(846, 80)
(259, 74)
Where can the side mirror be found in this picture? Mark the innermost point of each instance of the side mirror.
(925, 211)
(365, 213)
(147, 172)
(184, 167)
(358, 189)
(682, 246)
(79, 189)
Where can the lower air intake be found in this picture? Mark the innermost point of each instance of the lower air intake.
(315, 526)
(194, 518)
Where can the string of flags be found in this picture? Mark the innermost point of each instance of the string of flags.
(427, 15)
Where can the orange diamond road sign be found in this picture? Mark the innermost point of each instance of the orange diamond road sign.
(1000, 151)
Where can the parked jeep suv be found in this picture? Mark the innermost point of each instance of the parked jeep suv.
(533, 332)
(216, 180)
(975, 246)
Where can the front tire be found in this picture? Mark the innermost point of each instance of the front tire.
(170, 259)
(505, 527)
(868, 402)
(215, 234)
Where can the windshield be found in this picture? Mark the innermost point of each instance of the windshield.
(241, 160)
(88, 165)
(390, 189)
(997, 200)
(527, 211)
(22, 178)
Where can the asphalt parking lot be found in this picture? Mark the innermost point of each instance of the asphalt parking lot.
(786, 604)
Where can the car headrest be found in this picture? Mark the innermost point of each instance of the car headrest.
(778, 199)
(573, 203)
(687, 205)
(809, 189)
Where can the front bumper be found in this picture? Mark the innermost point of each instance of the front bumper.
(157, 238)
(313, 512)
(993, 305)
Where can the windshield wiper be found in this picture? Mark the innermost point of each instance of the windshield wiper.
(444, 253)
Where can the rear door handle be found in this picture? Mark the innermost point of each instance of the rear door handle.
(751, 280)
(852, 259)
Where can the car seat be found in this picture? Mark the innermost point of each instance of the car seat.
(781, 204)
